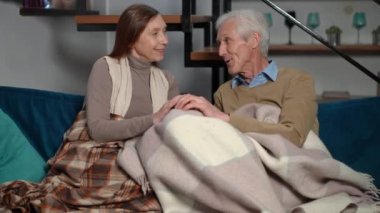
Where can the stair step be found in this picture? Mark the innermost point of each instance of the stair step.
(211, 53)
(111, 20)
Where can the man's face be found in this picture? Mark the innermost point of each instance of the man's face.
(152, 42)
(235, 51)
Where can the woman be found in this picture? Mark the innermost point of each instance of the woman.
(140, 40)
(126, 94)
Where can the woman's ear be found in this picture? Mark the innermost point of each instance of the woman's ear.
(254, 40)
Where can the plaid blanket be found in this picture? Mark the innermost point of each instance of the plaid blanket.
(83, 177)
(200, 164)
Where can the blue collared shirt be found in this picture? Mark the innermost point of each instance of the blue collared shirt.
(268, 74)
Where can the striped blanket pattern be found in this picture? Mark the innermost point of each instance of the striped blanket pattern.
(200, 164)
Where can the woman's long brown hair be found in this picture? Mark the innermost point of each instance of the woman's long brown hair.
(131, 24)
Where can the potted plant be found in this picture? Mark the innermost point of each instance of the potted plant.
(333, 35)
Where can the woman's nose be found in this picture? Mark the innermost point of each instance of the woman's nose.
(164, 39)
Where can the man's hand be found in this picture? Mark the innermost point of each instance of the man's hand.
(188, 102)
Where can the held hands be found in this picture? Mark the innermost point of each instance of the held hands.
(188, 102)
(158, 116)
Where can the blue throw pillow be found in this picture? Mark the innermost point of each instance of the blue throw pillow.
(18, 159)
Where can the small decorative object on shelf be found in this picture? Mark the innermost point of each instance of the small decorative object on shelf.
(289, 24)
(33, 3)
(313, 22)
(376, 36)
(268, 18)
(55, 8)
(333, 35)
(63, 4)
(359, 21)
(47, 4)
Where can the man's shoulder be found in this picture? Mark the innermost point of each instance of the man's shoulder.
(225, 85)
(285, 72)
(224, 88)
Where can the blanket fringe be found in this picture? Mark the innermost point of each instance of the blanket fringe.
(144, 183)
(371, 191)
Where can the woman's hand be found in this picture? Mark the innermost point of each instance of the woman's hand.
(188, 102)
(158, 116)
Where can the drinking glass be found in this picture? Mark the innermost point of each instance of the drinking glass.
(289, 24)
(359, 21)
(268, 18)
(313, 22)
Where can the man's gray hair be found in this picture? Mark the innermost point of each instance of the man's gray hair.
(249, 21)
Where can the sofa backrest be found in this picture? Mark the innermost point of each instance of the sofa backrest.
(43, 116)
(350, 129)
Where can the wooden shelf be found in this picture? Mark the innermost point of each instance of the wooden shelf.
(211, 53)
(109, 22)
(54, 12)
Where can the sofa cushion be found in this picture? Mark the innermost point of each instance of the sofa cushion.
(43, 116)
(18, 159)
(350, 130)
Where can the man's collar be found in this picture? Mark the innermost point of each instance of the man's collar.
(270, 72)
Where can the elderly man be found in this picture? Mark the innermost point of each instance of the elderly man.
(254, 151)
(243, 44)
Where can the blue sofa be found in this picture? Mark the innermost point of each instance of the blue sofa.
(348, 128)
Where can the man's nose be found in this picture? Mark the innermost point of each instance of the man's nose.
(221, 49)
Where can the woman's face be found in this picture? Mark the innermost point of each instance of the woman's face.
(152, 42)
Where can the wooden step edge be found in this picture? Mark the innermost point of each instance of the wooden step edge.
(96, 19)
(211, 53)
(366, 49)
(113, 19)
(207, 53)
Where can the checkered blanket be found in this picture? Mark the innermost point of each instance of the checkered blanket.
(83, 177)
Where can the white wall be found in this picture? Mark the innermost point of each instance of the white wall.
(49, 53)
(45, 52)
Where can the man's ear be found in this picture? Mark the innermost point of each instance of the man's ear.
(254, 40)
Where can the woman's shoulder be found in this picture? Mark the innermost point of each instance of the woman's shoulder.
(168, 75)
(100, 62)
(100, 68)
